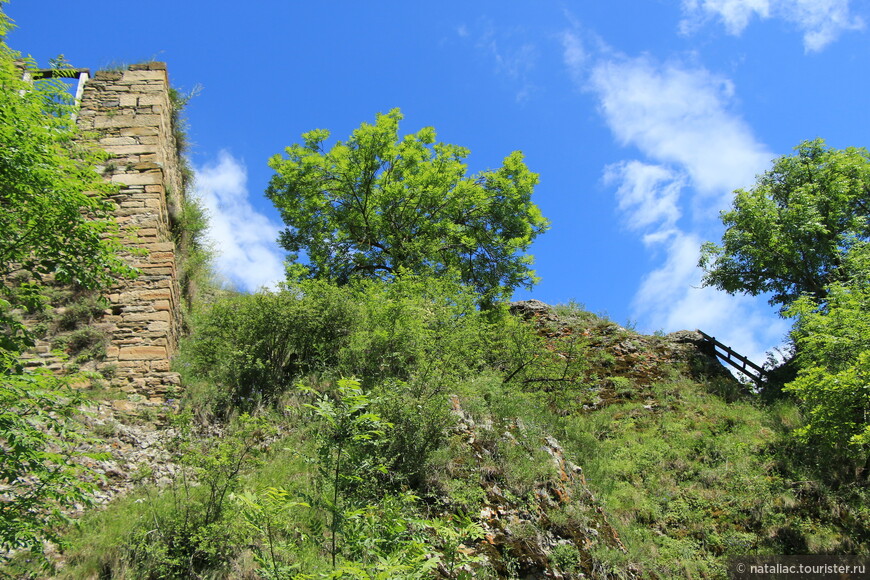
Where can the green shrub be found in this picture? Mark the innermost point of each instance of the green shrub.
(566, 558)
(82, 310)
(419, 429)
(425, 333)
(184, 530)
(833, 356)
(253, 347)
(86, 343)
(348, 458)
(195, 255)
(40, 476)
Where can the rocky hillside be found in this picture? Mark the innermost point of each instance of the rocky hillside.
(561, 446)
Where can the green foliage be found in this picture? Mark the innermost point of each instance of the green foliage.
(266, 515)
(56, 224)
(189, 218)
(178, 101)
(369, 533)
(81, 311)
(566, 557)
(54, 215)
(801, 233)
(254, 347)
(373, 477)
(789, 233)
(424, 330)
(687, 485)
(833, 342)
(554, 362)
(194, 252)
(348, 460)
(383, 540)
(425, 333)
(686, 472)
(377, 203)
(188, 530)
(452, 534)
(419, 416)
(388, 539)
(84, 344)
(413, 341)
(39, 439)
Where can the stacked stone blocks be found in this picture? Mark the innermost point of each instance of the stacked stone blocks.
(130, 113)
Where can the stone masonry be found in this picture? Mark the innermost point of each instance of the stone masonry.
(131, 115)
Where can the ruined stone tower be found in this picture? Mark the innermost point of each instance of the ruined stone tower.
(130, 112)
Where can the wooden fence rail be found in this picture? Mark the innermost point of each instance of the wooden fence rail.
(738, 361)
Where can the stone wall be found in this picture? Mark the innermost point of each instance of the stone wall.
(132, 114)
(129, 113)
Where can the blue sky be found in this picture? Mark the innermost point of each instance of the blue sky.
(641, 116)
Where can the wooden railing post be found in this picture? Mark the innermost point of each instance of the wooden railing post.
(742, 364)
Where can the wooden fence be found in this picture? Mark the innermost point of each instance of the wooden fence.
(738, 361)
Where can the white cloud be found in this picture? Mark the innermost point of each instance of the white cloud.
(244, 239)
(574, 55)
(734, 14)
(821, 21)
(515, 60)
(671, 297)
(648, 194)
(679, 115)
(698, 150)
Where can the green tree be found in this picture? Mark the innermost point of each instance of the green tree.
(788, 234)
(347, 450)
(801, 233)
(377, 203)
(54, 222)
(54, 214)
(833, 341)
(38, 477)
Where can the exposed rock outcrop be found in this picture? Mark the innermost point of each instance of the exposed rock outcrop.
(524, 532)
(641, 358)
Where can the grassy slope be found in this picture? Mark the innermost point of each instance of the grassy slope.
(680, 469)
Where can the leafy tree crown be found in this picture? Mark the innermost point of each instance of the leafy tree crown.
(377, 203)
(55, 222)
(788, 235)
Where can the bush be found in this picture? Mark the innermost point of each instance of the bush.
(833, 356)
(81, 311)
(186, 529)
(195, 255)
(84, 343)
(425, 333)
(253, 347)
(39, 476)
